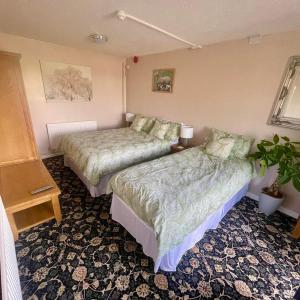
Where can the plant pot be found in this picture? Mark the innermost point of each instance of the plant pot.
(268, 204)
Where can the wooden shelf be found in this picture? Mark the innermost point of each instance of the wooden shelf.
(33, 216)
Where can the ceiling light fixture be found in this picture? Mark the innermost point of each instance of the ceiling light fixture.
(98, 38)
(123, 16)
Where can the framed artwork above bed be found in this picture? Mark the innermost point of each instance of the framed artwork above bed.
(66, 83)
(163, 80)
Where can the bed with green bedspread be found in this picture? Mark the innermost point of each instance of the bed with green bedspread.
(175, 194)
(98, 153)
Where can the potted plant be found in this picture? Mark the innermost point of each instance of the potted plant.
(285, 154)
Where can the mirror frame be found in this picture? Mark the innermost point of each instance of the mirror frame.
(276, 117)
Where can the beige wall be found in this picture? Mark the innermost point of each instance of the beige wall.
(106, 106)
(231, 86)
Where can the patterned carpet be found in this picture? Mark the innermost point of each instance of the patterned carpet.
(89, 256)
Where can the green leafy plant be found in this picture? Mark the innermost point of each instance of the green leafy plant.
(285, 154)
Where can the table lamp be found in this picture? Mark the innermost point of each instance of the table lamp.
(129, 117)
(186, 133)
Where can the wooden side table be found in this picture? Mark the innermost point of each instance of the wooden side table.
(296, 231)
(177, 148)
(23, 209)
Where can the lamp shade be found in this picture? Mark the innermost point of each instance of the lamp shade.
(186, 132)
(129, 117)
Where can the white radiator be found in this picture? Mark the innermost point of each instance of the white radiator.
(10, 280)
(57, 130)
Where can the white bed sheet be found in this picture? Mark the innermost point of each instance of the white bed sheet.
(145, 235)
(95, 190)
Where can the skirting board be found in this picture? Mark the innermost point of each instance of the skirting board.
(282, 209)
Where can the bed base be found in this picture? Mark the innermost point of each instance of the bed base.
(95, 190)
(145, 235)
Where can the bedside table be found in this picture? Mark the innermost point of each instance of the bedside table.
(296, 231)
(177, 148)
(23, 209)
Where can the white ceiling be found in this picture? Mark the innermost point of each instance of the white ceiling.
(69, 22)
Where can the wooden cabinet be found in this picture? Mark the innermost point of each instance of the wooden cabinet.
(16, 135)
(21, 170)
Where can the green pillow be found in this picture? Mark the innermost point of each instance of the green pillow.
(173, 131)
(159, 129)
(136, 117)
(220, 146)
(148, 124)
(242, 144)
(138, 123)
(215, 134)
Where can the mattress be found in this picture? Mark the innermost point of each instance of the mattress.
(145, 235)
(173, 195)
(98, 153)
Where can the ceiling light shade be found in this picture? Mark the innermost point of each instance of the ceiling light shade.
(121, 15)
(186, 132)
(98, 38)
(129, 116)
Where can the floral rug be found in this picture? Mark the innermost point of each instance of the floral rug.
(89, 256)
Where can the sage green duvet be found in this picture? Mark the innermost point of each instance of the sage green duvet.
(97, 153)
(175, 194)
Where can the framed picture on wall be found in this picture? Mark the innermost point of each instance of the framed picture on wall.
(163, 80)
(66, 83)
